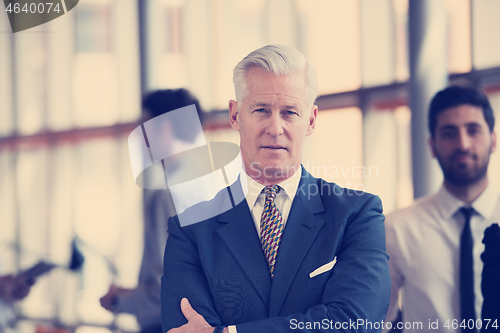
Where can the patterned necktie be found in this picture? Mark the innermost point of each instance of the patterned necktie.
(467, 272)
(271, 227)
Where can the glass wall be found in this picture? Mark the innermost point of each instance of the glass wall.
(70, 94)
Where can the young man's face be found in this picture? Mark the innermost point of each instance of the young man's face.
(462, 144)
(273, 121)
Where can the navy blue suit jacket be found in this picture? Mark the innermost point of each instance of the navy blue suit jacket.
(219, 265)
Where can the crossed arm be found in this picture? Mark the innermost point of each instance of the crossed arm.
(195, 322)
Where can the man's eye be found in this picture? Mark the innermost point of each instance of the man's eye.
(447, 134)
(473, 131)
(260, 110)
(290, 113)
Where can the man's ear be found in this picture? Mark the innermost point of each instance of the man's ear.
(432, 145)
(312, 120)
(493, 142)
(233, 115)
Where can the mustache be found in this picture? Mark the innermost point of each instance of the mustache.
(461, 153)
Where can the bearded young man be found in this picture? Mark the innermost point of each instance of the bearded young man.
(435, 244)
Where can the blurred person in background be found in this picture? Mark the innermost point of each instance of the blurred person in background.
(144, 301)
(12, 289)
(435, 245)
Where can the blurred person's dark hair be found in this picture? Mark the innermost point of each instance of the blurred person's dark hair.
(458, 95)
(159, 102)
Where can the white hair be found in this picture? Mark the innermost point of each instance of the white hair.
(279, 60)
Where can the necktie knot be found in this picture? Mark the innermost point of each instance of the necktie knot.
(467, 212)
(271, 192)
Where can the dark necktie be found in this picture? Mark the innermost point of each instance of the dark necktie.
(467, 272)
(271, 227)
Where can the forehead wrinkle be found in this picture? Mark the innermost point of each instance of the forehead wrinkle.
(276, 87)
(287, 105)
(254, 104)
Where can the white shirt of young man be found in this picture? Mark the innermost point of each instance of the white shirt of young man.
(423, 242)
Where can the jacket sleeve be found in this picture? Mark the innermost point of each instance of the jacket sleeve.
(396, 274)
(183, 277)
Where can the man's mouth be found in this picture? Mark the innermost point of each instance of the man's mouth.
(275, 147)
(462, 157)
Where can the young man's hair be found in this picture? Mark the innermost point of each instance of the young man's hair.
(454, 96)
(159, 102)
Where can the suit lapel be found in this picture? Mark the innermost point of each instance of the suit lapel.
(240, 236)
(300, 231)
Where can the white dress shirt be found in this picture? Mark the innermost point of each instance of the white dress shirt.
(423, 242)
(256, 200)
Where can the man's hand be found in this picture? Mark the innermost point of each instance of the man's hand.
(196, 323)
(108, 301)
(14, 288)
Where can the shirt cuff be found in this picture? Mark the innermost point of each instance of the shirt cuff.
(232, 329)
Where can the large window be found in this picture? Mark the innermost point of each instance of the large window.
(70, 93)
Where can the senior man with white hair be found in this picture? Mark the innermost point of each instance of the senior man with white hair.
(296, 253)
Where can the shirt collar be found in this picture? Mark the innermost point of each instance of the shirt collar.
(289, 186)
(485, 203)
(448, 204)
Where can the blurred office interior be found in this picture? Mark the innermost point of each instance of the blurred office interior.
(70, 94)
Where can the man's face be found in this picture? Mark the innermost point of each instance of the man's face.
(462, 144)
(273, 121)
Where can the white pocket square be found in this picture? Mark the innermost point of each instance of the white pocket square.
(324, 268)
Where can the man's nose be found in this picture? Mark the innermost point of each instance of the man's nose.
(275, 124)
(464, 140)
